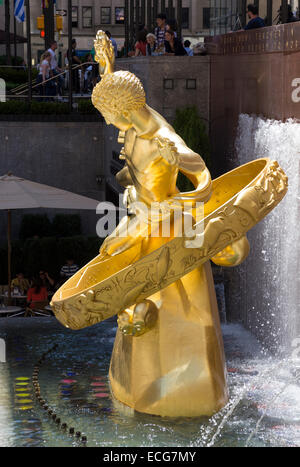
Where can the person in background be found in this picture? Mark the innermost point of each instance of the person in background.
(187, 45)
(44, 74)
(291, 16)
(114, 43)
(76, 61)
(141, 44)
(151, 48)
(160, 31)
(36, 293)
(89, 75)
(173, 45)
(55, 70)
(20, 283)
(47, 281)
(255, 21)
(69, 269)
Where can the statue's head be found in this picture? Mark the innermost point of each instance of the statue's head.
(117, 95)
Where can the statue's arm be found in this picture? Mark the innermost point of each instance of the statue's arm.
(193, 167)
(104, 54)
(124, 178)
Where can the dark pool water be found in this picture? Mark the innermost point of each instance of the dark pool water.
(264, 406)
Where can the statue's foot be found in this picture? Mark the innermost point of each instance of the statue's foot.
(140, 320)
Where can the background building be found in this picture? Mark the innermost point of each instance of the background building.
(90, 15)
(229, 15)
(199, 19)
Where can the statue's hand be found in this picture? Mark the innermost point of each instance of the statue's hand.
(234, 254)
(138, 321)
(167, 150)
(105, 54)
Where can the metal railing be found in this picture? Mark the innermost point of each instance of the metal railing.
(21, 89)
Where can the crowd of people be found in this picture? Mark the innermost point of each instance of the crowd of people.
(162, 40)
(42, 286)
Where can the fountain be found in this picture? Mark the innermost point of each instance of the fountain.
(270, 302)
(264, 400)
(160, 285)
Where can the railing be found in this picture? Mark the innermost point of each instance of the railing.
(22, 88)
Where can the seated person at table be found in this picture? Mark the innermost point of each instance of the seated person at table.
(37, 293)
(20, 282)
(47, 281)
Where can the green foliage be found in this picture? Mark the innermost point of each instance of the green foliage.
(12, 107)
(192, 130)
(189, 125)
(39, 225)
(66, 225)
(15, 61)
(48, 253)
(35, 225)
(17, 75)
(16, 260)
(48, 108)
(85, 106)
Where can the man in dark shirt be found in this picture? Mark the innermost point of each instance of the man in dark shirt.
(76, 61)
(255, 21)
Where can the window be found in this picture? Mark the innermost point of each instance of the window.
(168, 84)
(206, 18)
(87, 16)
(74, 16)
(105, 15)
(185, 18)
(119, 15)
(191, 84)
(172, 15)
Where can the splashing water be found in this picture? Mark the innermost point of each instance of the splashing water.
(267, 285)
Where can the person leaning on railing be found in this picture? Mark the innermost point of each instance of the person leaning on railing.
(173, 45)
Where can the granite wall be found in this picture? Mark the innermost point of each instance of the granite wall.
(66, 155)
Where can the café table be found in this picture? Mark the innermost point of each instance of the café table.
(11, 311)
(14, 297)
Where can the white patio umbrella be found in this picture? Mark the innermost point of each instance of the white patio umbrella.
(18, 193)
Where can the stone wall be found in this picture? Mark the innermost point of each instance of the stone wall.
(254, 72)
(173, 82)
(170, 83)
(65, 155)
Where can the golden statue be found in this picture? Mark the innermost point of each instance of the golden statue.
(168, 356)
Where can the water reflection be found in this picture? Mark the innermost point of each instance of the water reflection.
(74, 383)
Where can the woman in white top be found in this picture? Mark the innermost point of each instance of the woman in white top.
(44, 73)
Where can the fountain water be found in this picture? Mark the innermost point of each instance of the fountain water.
(266, 288)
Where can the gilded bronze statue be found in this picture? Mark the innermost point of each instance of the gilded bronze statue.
(168, 356)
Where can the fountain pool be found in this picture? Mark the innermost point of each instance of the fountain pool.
(263, 410)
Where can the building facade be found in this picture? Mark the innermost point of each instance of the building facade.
(230, 15)
(199, 19)
(88, 16)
